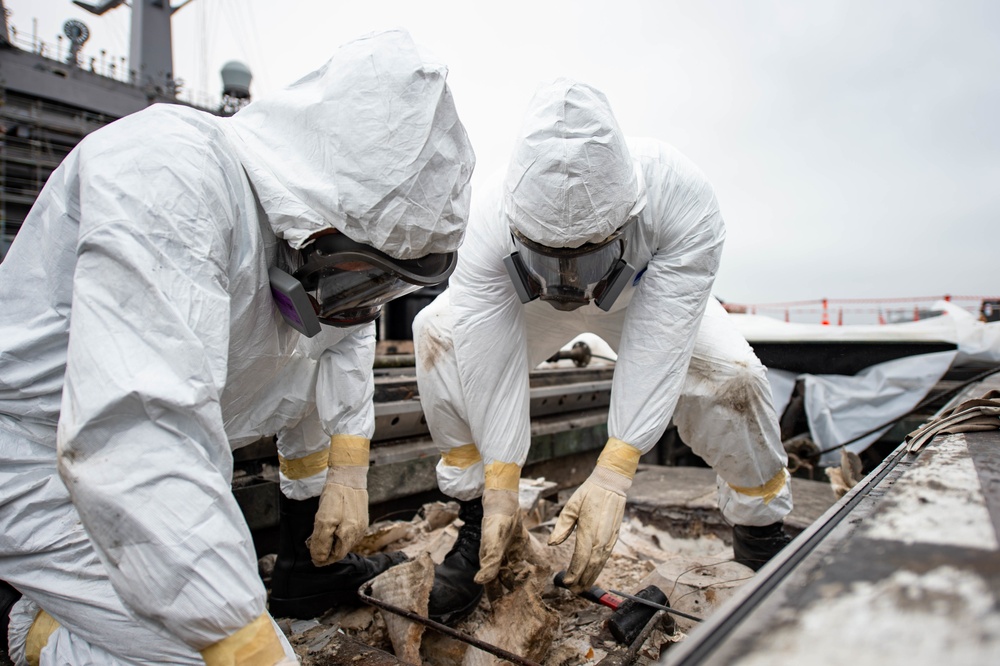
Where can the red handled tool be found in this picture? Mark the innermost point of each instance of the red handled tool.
(595, 594)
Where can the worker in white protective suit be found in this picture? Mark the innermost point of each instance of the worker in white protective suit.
(184, 285)
(589, 231)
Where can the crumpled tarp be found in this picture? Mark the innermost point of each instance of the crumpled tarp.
(842, 407)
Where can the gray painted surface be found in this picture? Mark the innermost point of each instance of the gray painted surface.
(36, 76)
(903, 570)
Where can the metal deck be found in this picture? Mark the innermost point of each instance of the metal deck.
(905, 569)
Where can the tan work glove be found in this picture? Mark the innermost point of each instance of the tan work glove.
(256, 644)
(501, 518)
(596, 510)
(342, 517)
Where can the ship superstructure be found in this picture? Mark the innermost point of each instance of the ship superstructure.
(51, 97)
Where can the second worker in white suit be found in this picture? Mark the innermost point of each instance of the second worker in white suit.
(590, 231)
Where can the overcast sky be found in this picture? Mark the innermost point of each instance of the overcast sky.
(854, 146)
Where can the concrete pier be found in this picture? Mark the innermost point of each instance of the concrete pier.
(905, 569)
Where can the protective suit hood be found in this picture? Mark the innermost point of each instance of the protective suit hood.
(571, 179)
(370, 144)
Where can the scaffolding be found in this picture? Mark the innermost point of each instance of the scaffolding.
(35, 136)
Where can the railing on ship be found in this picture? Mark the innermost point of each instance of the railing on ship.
(108, 66)
(840, 311)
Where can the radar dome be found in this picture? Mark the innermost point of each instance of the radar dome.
(236, 79)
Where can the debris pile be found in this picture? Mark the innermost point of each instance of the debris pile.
(523, 612)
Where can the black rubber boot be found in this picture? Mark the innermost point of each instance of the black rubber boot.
(8, 597)
(455, 594)
(755, 546)
(302, 590)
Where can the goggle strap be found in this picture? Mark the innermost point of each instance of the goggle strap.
(567, 253)
(408, 270)
(587, 248)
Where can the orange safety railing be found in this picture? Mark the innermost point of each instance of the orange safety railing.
(860, 310)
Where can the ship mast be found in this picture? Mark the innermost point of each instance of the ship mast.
(150, 52)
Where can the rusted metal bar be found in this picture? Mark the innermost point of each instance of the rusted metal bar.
(364, 593)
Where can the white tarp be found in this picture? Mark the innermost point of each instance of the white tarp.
(842, 407)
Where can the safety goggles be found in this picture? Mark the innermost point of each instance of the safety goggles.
(341, 282)
(569, 278)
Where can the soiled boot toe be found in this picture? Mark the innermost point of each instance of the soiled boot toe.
(455, 593)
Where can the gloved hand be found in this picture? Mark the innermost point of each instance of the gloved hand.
(342, 517)
(501, 517)
(596, 510)
(256, 643)
(501, 526)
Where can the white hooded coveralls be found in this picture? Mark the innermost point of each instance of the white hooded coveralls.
(139, 343)
(574, 178)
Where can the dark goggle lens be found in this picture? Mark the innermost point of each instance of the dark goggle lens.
(348, 282)
(339, 250)
(341, 290)
(578, 271)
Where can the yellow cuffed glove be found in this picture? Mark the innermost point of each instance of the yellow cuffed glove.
(342, 517)
(256, 644)
(596, 510)
(501, 518)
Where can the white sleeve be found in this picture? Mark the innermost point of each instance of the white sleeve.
(662, 320)
(342, 387)
(345, 388)
(142, 448)
(490, 341)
